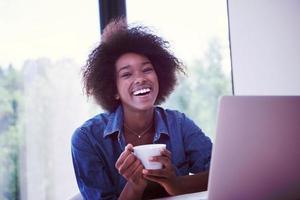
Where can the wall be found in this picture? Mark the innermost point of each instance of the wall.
(265, 46)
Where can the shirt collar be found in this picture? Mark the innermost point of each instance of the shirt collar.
(115, 123)
(160, 126)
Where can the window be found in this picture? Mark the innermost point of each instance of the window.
(198, 34)
(43, 46)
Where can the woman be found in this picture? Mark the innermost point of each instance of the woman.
(129, 74)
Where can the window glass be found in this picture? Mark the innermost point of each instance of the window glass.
(198, 35)
(43, 46)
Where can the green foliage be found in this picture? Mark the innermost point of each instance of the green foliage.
(10, 104)
(197, 95)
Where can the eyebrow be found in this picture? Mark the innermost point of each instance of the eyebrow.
(127, 66)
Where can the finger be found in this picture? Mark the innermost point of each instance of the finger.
(137, 174)
(129, 147)
(165, 161)
(154, 179)
(121, 158)
(167, 153)
(129, 160)
(131, 170)
(123, 155)
(158, 173)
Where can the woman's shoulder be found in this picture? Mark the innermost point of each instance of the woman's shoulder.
(178, 119)
(171, 114)
(97, 120)
(93, 126)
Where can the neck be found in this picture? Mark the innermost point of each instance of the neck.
(138, 120)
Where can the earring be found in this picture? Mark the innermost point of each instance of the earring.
(117, 97)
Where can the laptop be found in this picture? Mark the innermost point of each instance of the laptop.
(256, 153)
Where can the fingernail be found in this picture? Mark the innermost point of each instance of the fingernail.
(145, 171)
(128, 147)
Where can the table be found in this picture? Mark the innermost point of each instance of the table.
(191, 196)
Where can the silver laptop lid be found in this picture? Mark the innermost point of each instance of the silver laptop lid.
(256, 154)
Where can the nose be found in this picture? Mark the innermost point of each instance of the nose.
(139, 78)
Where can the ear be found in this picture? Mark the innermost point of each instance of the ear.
(117, 97)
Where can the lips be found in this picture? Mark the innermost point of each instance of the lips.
(141, 91)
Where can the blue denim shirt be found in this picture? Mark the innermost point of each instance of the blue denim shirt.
(98, 143)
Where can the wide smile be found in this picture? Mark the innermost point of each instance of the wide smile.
(142, 91)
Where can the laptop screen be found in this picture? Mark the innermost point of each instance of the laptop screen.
(256, 154)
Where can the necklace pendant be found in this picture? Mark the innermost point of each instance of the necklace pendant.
(139, 136)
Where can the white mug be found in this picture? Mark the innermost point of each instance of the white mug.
(144, 152)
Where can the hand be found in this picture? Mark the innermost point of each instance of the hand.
(131, 168)
(166, 176)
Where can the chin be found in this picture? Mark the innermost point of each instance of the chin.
(143, 107)
(146, 107)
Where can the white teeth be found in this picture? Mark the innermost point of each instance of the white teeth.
(141, 91)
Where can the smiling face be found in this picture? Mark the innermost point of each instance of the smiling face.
(137, 82)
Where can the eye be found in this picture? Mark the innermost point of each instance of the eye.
(125, 75)
(148, 70)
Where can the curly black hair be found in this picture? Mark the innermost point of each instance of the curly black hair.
(99, 75)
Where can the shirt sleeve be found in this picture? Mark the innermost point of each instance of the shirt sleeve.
(198, 146)
(91, 174)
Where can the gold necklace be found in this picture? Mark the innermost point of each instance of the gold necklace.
(139, 135)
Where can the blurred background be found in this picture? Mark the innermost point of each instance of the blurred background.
(44, 44)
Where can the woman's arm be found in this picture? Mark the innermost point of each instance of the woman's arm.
(173, 184)
(93, 180)
(132, 191)
(191, 183)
